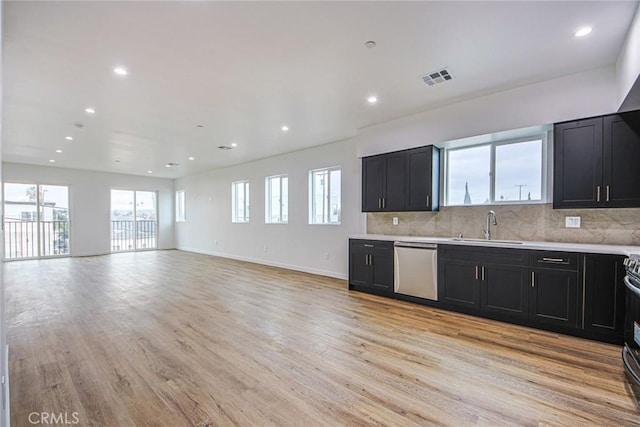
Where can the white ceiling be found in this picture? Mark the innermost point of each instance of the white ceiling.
(243, 69)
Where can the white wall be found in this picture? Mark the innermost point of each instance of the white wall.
(300, 246)
(579, 95)
(628, 64)
(4, 350)
(90, 199)
(296, 245)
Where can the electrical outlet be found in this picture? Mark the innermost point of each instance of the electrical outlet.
(395, 220)
(572, 222)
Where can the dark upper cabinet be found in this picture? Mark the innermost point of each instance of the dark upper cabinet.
(603, 288)
(577, 180)
(621, 174)
(422, 180)
(371, 266)
(383, 182)
(595, 162)
(401, 181)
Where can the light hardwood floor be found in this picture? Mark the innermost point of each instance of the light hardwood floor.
(173, 338)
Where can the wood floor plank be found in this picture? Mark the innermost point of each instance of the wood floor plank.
(175, 338)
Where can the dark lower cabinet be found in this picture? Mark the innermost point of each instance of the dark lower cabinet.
(504, 291)
(604, 295)
(554, 297)
(458, 285)
(371, 266)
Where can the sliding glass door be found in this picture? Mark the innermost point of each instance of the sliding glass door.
(36, 220)
(134, 220)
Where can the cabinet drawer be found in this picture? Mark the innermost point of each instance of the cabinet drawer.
(554, 260)
(485, 254)
(371, 244)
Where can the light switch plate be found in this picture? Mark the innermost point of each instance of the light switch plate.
(395, 220)
(572, 222)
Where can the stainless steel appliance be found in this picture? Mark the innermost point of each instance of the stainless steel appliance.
(415, 270)
(631, 350)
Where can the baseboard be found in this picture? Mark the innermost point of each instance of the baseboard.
(302, 269)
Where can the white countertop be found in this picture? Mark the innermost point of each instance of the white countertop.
(543, 246)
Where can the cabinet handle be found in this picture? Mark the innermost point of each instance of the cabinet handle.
(597, 193)
(384, 202)
(368, 246)
(379, 202)
(370, 259)
(476, 272)
(483, 273)
(607, 193)
(554, 260)
(428, 204)
(533, 279)
(584, 285)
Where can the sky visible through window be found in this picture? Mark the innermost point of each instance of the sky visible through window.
(518, 174)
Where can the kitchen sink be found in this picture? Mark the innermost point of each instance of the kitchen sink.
(503, 242)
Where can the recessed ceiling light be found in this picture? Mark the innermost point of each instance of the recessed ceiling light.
(121, 71)
(90, 110)
(192, 158)
(52, 161)
(583, 32)
(149, 171)
(372, 99)
(58, 151)
(285, 128)
(167, 165)
(68, 138)
(233, 144)
(370, 44)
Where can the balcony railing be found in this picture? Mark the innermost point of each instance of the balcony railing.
(24, 240)
(132, 235)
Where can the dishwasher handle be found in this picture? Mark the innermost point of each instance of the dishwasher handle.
(416, 245)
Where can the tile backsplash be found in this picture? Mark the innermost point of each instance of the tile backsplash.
(515, 222)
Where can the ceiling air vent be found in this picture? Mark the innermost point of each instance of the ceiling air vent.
(436, 77)
(225, 147)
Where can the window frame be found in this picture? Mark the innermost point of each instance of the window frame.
(234, 202)
(545, 161)
(267, 196)
(312, 199)
(181, 206)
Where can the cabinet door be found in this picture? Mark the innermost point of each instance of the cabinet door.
(418, 181)
(382, 261)
(458, 284)
(372, 183)
(603, 309)
(621, 154)
(553, 297)
(504, 291)
(360, 272)
(395, 174)
(578, 164)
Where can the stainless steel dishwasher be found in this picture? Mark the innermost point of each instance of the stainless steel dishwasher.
(415, 269)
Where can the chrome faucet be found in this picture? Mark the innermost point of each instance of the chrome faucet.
(487, 231)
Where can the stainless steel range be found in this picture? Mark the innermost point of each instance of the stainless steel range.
(631, 350)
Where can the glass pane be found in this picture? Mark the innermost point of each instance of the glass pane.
(20, 216)
(519, 171)
(180, 206)
(285, 199)
(334, 197)
(469, 176)
(274, 202)
(122, 224)
(246, 202)
(54, 220)
(146, 215)
(318, 204)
